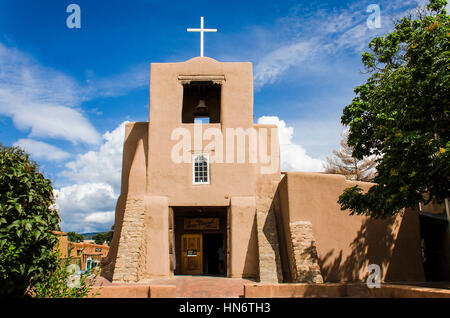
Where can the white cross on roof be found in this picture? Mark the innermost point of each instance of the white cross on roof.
(201, 30)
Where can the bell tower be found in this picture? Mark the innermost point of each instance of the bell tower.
(195, 177)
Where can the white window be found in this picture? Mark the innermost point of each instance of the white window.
(200, 169)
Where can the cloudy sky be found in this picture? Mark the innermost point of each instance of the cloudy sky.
(65, 94)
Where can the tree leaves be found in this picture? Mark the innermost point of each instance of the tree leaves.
(401, 115)
(27, 220)
(55, 285)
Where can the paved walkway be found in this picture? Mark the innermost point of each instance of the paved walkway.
(198, 286)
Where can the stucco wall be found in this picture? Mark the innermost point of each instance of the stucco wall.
(244, 257)
(347, 244)
(63, 243)
(341, 290)
(229, 177)
(133, 188)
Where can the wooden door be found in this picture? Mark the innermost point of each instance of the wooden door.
(192, 254)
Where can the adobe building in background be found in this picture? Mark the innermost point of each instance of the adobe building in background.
(202, 194)
(87, 254)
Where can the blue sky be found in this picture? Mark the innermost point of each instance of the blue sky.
(65, 93)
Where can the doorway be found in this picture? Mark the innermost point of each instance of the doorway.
(192, 254)
(434, 231)
(213, 255)
(200, 241)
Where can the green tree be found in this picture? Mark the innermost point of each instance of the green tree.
(74, 237)
(27, 222)
(401, 115)
(101, 237)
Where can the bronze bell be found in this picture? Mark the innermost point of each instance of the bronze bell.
(201, 107)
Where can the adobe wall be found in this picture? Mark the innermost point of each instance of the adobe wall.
(243, 247)
(127, 240)
(337, 290)
(229, 177)
(142, 219)
(133, 291)
(63, 243)
(347, 244)
(152, 183)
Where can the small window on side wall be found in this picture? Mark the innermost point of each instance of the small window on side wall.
(200, 169)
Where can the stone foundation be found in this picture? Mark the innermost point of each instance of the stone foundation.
(126, 267)
(304, 265)
(268, 245)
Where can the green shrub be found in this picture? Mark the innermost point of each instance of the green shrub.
(27, 222)
(58, 284)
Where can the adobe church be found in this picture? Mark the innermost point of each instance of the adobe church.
(195, 201)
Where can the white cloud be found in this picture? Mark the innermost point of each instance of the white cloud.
(22, 75)
(316, 38)
(45, 101)
(42, 99)
(293, 157)
(47, 120)
(80, 205)
(270, 66)
(100, 217)
(86, 197)
(42, 150)
(86, 205)
(103, 165)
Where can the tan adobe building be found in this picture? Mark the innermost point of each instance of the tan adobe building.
(87, 254)
(63, 243)
(202, 194)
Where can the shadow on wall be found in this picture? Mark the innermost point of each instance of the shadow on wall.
(251, 262)
(371, 245)
(376, 242)
(270, 231)
(410, 268)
